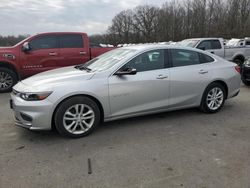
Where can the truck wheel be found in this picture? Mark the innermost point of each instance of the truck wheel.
(77, 117)
(247, 83)
(8, 79)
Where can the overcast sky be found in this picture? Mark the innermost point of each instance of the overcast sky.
(36, 16)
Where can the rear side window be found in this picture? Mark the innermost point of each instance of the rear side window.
(71, 41)
(44, 42)
(184, 57)
(205, 58)
(216, 44)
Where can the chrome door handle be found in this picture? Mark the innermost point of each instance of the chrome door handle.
(161, 76)
(52, 53)
(203, 71)
(82, 53)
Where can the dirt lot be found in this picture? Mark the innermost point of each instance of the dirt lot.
(176, 149)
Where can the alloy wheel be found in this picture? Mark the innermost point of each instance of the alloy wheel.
(78, 118)
(215, 98)
(6, 80)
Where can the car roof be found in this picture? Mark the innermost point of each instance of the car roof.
(147, 47)
(144, 47)
(208, 38)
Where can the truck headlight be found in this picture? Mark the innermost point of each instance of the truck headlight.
(34, 96)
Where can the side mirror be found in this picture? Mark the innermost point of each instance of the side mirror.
(202, 48)
(127, 71)
(26, 47)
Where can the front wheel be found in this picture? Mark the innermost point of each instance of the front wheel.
(213, 98)
(77, 117)
(8, 79)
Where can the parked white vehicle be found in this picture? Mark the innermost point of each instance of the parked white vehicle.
(239, 42)
(237, 54)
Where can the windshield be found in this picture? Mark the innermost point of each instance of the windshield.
(108, 59)
(22, 41)
(233, 42)
(189, 43)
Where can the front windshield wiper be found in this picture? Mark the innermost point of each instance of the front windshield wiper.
(82, 67)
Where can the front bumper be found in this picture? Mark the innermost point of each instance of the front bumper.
(245, 72)
(33, 115)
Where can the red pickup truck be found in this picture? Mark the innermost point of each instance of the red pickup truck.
(44, 52)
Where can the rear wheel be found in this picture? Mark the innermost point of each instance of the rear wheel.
(77, 117)
(8, 79)
(213, 98)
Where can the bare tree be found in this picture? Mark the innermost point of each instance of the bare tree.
(177, 20)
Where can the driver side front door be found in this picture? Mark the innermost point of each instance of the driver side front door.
(146, 91)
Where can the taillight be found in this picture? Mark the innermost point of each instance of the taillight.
(237, 68)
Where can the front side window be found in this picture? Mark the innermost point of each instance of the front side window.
(71, 41)
(147, 61)
(44, 42)
(184, 57)
(206, 45)
(210, 45)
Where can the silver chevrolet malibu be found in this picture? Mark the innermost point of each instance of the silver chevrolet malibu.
(123, 83)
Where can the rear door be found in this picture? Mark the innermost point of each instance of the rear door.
(73, 49)
(189, 73)
(147, 90)
(213, 46)
(44, 55)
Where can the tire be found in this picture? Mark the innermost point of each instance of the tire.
(247, 83)
(8, 79)
(239, 62)
(207, 105)
(70, 120)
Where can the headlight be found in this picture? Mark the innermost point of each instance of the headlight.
(35, 96)
(247, 63)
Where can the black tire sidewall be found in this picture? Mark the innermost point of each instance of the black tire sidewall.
(204, 106)
(238, 62)
(13, 76)
(68, 103)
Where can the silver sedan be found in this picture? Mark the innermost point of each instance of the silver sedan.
(123, 83)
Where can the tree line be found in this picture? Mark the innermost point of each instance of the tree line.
(11, 40)
(177, 20)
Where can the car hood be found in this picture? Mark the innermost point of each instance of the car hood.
(6, 49)
(50, 79)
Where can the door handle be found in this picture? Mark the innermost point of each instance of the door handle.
(161, 76)
(203, 71)
(212, 52)
(82, 53)
(52, 53)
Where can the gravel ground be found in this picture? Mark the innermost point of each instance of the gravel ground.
(176, 149)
